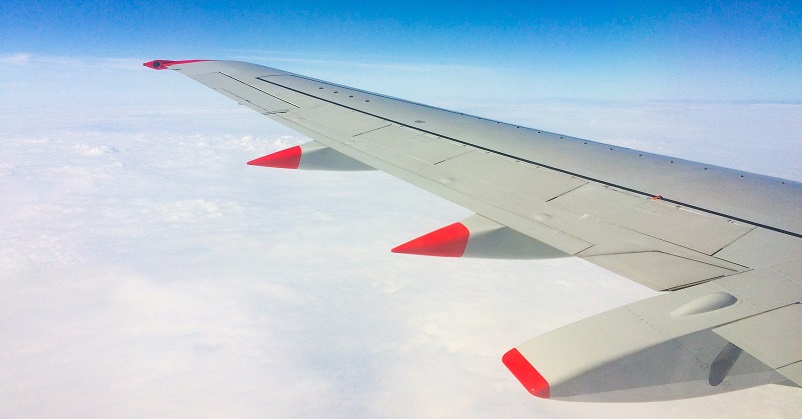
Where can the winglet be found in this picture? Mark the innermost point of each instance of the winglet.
(165, 64)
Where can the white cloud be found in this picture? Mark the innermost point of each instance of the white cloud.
(90, 150)
(18, 58)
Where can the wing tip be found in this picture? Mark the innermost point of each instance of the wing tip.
(165, 64)
(526, 374)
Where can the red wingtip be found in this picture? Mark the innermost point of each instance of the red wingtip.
(285, 159)
(449, 241)
(165, 64)
(526, 374)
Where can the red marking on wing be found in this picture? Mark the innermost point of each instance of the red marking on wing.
(285, 159)
(449, 241)
(165, 64)
(526, 374)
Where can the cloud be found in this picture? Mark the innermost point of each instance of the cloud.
(93, 150)
(18, 58)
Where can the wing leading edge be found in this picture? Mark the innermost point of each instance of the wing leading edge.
(728, 243)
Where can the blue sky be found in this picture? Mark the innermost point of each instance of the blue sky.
(591, 50)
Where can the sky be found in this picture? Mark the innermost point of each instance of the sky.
(707, 50)
(147, 271)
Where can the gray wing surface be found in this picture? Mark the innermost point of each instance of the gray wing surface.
(727, 243)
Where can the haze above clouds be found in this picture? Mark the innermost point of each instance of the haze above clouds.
(147, 271)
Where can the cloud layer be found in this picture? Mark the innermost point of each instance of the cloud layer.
(147, 271)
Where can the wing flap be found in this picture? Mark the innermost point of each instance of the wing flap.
(337, 121)
(704, 233)
(793, 372)
(772, 337)
(510, 175)
(760, 248)
(658, 270)
(420, 146)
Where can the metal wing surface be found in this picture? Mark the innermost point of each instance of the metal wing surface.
(726, 245)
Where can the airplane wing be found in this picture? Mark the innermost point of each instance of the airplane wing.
(725, 245)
